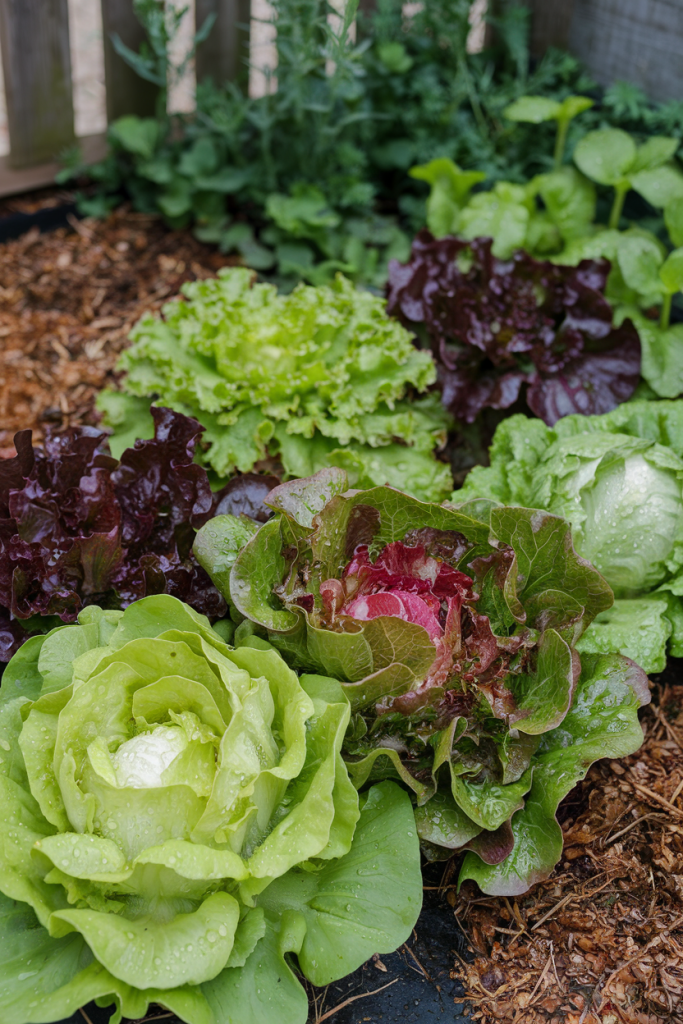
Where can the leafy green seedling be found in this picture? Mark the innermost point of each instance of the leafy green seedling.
(537, 109)
(645, 270)
(450, 191)
(503, 214)
(673, 218)
(610, 156)
(639, 258)
(671, 276)
(570, 200)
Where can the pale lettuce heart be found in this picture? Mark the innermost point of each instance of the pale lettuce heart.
(141, 761)
(634, 513)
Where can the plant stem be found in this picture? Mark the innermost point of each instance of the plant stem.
(620, 191)
(666, 312)
(560, 141)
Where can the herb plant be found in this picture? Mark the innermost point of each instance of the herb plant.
(453, 631)
(311, 178)
(178, 822)
(316, 378)
(618, 479)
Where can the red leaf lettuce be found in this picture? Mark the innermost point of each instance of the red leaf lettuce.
(78, 527)
(501, 330)
(453, 631)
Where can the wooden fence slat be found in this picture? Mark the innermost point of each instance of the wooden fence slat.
(223, 55)
(36, 61)
(127, 93)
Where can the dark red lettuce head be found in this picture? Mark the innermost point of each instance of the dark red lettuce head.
(77, 527)
(505, 330)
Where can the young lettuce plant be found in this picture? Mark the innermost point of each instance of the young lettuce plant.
(177, 819)
(453, 631)
(505, 330)
(654, 278)
(611, 157)
(79, 527)
(618, 479)
(539, 109)
(320, 377)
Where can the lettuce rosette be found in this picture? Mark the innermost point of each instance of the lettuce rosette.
(618, 479)
(177, 819)
(453, 633)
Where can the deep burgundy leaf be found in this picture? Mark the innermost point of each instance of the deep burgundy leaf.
(77, 527)
(497, 327)
(245, 494)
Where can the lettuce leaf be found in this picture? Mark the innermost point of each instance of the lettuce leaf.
(317, 378)
(618, 478)
(79, 527)
(506, 330)
(453, 631)
(178, 820)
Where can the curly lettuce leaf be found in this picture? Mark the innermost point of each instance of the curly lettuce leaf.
(638, 628)
(503, 326)
(80, 526)
(314, 377)
(544, 584)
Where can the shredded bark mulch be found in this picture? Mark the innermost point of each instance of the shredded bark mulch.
(68, 300)
(601, 941)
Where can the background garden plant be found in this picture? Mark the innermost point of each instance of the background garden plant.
(245, 173)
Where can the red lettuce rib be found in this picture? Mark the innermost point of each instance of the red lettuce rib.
(505, 329)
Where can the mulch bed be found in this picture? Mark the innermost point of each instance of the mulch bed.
(600, 942)
(68, 300)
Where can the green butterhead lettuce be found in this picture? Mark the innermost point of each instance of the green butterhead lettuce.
(317, 378)
(176, 816)
(618, 479)
(454, 633)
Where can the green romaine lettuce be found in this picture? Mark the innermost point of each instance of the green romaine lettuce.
(453, 631)
(316, 378)
(618, 479)
(176, 817)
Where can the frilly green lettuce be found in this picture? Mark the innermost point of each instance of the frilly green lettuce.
(317, 378)
(176, 817)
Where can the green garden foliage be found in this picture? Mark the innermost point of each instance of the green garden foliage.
(312, 178)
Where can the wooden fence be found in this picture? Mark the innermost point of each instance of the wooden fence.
(34, 37)
(636, 40)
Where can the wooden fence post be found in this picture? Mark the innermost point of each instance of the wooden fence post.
(550, 24)
(127, 93)
(37, 71)
(223, 56)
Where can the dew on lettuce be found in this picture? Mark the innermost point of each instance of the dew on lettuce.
(453, 631)
(618, 479)
(177, 818)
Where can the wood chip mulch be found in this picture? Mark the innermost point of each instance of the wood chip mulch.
(68, 300)
(601, 941)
